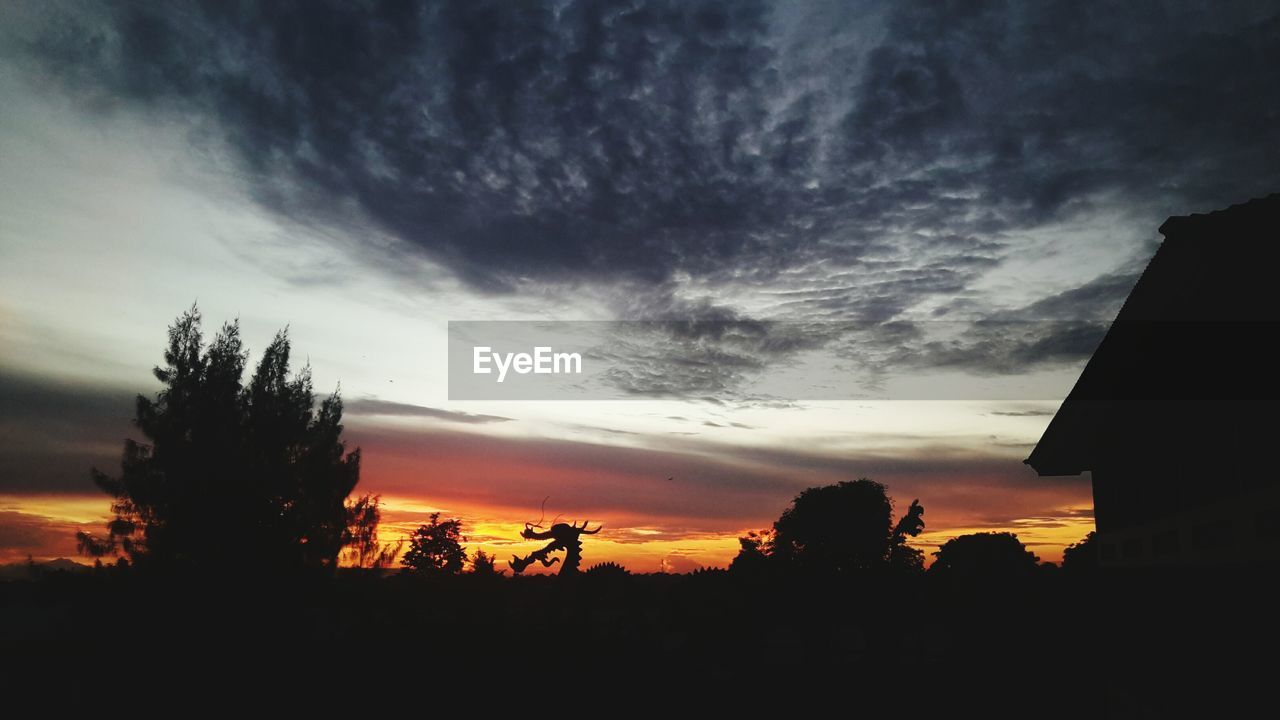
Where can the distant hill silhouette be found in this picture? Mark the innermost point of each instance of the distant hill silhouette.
(23, 570)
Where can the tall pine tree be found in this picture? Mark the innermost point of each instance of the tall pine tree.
(233, 475)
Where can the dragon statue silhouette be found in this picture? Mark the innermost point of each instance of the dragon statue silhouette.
(563, 536)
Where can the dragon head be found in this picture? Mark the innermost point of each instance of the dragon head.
(563, 536)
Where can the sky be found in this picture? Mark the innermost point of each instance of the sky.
(977, 185)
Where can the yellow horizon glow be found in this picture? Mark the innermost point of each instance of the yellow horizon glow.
(496, 531)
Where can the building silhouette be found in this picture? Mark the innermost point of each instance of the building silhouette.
(1175, 414)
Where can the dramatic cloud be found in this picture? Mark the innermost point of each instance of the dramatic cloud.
(387, 408)
(54, 432)
(19, 532)
(698, 484)
(887, 155)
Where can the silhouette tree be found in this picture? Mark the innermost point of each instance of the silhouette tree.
(984, 554)
(436, 548)
(482, 564)
(902, 556)
(1081, 556)
(233, 475)
(754, 552)
(841, 528)
(364, 550)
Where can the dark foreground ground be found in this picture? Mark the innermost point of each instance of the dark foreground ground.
(1051, 645)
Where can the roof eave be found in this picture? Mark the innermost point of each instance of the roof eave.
(1049, 470)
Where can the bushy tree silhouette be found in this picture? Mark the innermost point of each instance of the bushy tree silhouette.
(987, 554)
(841, 528)
(754, 553)
(1081, 556)
(901, 555)
(482, 564)
(436, 548)
(233, 475)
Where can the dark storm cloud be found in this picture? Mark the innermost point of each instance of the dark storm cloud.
(1098, 299)
(693, 349)
(1024, 413)
(54, 432)
(1055, 331)
(388, 408)
(1003, 348)
(1059, 329)
(727, 359)
(523, 143)
(1165, 102)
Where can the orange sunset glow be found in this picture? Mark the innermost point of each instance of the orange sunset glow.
(653, 524)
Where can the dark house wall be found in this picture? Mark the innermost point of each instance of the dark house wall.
(1177, 413)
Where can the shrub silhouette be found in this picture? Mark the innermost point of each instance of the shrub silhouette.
(436, 548)
(482, 564)
(902, 556)
(607, 569)
(231, 474)
(841, 528)
(984, 554)
(1081, 556)
(754, 553)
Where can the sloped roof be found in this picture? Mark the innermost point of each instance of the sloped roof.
(1198, 327)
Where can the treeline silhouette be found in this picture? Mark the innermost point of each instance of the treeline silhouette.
(255, 476)
(237, 536)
